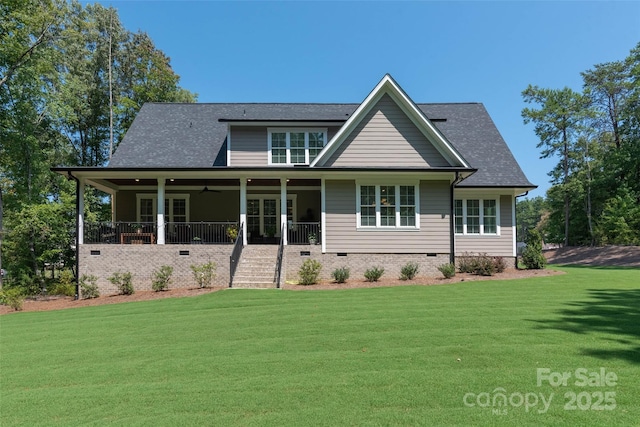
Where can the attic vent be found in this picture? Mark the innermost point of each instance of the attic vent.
(438, 120)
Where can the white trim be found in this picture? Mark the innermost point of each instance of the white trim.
(228, 145)
(170, 196)
(283, 209)
(279, 214)
(388, 85)
(323, 215)
(377, 183)
(160, 214)
(481, 199)
(243, 210)
(513, 225)
(287, 132)
(80, 196)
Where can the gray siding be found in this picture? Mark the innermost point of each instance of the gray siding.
(386, 137)
(341, 227)
(492, 245)
(249, 144)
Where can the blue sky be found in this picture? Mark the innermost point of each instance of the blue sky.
(437, 51)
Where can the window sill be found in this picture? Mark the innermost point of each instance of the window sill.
(477, 235)
(383, 229)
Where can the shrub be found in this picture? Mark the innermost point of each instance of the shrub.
(447, 270)
(499, 264)
(373, 274)
(13, 297)
(161, 278)
(484, 266)
(409, 271)
(122, 282)
(65, 285)
(204, 273)
(467, 263)
(309, 272)
(532, 256)
(340, 275)
(89, 287)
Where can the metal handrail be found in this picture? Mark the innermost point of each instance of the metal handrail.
(235, 254)
(278, 272)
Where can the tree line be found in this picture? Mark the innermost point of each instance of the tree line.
(72, 79)
(595, 136)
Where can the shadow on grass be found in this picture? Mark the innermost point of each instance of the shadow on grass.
(613, 313)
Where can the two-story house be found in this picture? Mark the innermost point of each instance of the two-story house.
(379, 183)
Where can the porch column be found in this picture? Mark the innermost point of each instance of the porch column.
(160, 219)
(80, 196)
(243, 209)
(283, 209)
(323, 216)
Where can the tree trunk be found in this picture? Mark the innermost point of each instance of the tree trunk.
(566, 180)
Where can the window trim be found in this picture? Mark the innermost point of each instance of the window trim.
(481, 200)
(168, 216)
(398, 206)
(287, 132)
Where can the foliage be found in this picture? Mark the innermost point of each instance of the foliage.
(532, 256)
(13, 297)
(65, 284)
(480, 264)
(161, 278)
(232, 232)
(373, 274)
(89, 286)
(499, 265)
(409, 271)
(447, 270)
(204, 274)
(529, 214)
(309, 272)
(122, 282)
(340, 275)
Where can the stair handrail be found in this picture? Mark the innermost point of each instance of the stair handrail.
(235, 254)
(276, 276)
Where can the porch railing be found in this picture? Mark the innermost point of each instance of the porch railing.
(303, 233)
(234, 259)
(131, 232)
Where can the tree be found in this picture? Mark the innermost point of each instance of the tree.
(529, 213)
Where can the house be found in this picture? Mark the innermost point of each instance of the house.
(383, 182)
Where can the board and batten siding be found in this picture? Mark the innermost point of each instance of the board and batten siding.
(249, 144)
(342, 234)
(501, 245)
(386, 137)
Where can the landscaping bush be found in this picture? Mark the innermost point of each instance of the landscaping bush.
(373, 274)
(409, 271)
(532, 256)
(13, 297)
(122, 282)
(499, 264)
(447, 270)
(340, 275)
(467, 263)
(309, 272)
(204, 274)
(484, 266)
(89, 287)
(65, 285)
(161, 278)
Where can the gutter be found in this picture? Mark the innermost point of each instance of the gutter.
(70, 176)
(452, 237)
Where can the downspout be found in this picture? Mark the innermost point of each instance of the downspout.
(452, 237)
(70, 176)
(515, 223)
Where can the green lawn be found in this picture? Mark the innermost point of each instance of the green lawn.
(384, 356)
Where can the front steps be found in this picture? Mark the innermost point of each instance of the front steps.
(256, 268)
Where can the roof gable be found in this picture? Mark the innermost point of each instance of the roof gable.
(384, 95)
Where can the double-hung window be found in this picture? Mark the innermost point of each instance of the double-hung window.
(295, 146)
(476, 216)
(387, 206)
(176, 208)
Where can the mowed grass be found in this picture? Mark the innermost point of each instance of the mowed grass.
(384, 356)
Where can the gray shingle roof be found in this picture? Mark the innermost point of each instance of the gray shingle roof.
(194, 135)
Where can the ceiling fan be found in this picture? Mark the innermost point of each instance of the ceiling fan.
(207, 190)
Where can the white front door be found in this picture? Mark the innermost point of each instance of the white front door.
(263, 216)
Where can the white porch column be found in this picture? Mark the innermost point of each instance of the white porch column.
(283, 209)
(160, 218)
(243, 209)
(323, 215)
(80, 196)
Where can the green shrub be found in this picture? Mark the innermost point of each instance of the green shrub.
(89, 287)
(484, 266)
(373, 274)
(309, 272)
(467, 263)
(161, 278)
(532, 256)
(13, 297)
(447, 270)
(65, 285)
(499, 264)
(409, 271)
(122, 282)
(204, 273)
(340, 275)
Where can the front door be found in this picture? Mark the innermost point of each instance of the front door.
(263, 219)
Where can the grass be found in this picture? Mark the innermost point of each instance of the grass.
(381, 356)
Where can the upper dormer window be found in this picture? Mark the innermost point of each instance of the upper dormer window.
(295, 146)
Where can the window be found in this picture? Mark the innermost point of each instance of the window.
(476, 216)
(387, 206)
(296, 146)
(176, 208)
